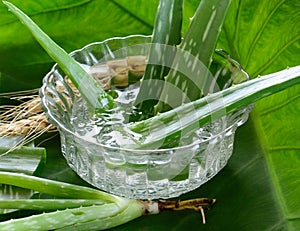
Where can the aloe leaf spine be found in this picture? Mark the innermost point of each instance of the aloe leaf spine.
(61, 218)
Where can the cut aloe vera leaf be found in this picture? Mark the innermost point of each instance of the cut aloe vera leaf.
(68, 217)
(22, 160)
(28, 160)
(166, 35)
(131, 212)
(195, 51)
(190, 117)
(56, 188)
(98, 207)
(97, 99)
(47, 204)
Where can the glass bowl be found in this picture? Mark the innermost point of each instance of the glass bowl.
(139, 174)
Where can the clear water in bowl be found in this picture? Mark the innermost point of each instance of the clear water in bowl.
(108, 129)
(97, 152)
(111, 129)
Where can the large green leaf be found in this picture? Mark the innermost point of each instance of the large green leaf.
(71, 23)
(266, 38)
(263, 35)
(259, 188)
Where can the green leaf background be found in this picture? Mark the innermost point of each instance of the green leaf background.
(70, 23)
(259, 189)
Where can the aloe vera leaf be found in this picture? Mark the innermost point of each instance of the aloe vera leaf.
(132, 211)
(47, 204)
(166, 33)
(189, 117)
(106, 210)
(199, 42)
(62, 218)
(9, 192)
(22, 160)
(28, 160)
(56, 188)
(95, 96)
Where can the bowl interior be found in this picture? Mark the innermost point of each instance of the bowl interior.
(93, 147)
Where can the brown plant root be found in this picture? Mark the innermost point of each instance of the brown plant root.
(24, 110)
(198, 204)
(26, 120)
(33, 124)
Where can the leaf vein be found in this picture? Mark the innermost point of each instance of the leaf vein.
(279, 106)
(69, 6)
(271, 60)
(238, 18)
(260, 31)
(283, 148)
(131, 14)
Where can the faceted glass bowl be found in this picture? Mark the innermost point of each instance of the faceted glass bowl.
(140, 174)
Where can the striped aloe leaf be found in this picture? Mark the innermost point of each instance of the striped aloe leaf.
(28, 159)
(47, 204)
(191, 116)
(96, 98)
(199, 43)
(61, 219)
(83, 207)
(166, 33)
(132, 211)
(55, 188)
(25, 159)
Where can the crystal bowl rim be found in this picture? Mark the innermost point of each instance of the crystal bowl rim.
(59, 125)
